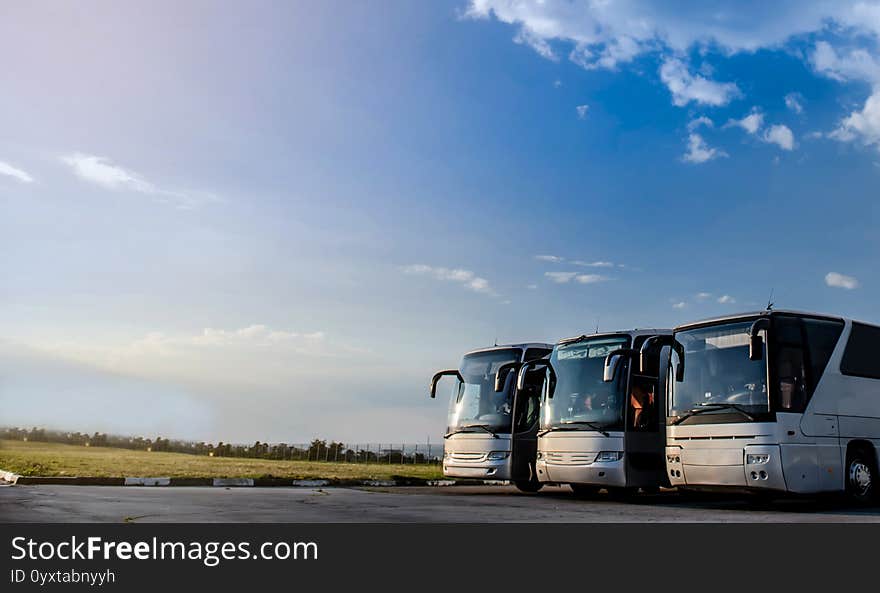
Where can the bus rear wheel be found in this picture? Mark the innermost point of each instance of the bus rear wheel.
(860, 473)
(530, 486)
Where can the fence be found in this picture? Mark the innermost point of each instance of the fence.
(403, 453)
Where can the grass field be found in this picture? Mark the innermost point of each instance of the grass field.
(54, 459)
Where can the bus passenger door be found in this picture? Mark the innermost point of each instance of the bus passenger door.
(645, 440)
(524, 448)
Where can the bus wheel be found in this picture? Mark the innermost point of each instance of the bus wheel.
(584, 490)
(859, 476)
(530, 486)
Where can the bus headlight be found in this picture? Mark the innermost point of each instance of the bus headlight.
(608, 456)
(673, 459)
(497, 455)
(756, 458)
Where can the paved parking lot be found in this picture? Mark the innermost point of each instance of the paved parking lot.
(395, 505)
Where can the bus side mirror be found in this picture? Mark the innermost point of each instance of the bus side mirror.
(612, 361)
(521, 377)
(437, 376)
(756, 342)
(678, 348)
(501, 374)
(756, 347)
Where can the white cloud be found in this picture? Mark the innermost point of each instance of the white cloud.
(582, 111)
(101, 171)
(466, 278)
(837, 280)
(594, 264)
(780, 135)
(726, 299)
(550, 258)
(702, 296)
(606, 34)
(590, 278)
(557, 84)
(700, 152)
(532, 286)
(856, 64)
(679, 305)
(686, 87)
(699, 121)
(537, 43)
(750, 123)
(862, 125)
(10, 171)
(560, 277)
(566, 277)
(795, 102)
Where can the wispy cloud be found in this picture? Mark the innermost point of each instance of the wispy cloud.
(702, 296)
(550, 258)
(700, 152)
(726, 299)
(594, 264)
(582, 111)
(687, 87)
(679, 305)
(795, 102)
(837, 280)
(465, 278)
(14, 172)
(567, 277)
(699, 121)
(103, 172)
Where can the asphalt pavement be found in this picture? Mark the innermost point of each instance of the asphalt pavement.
(107, 504)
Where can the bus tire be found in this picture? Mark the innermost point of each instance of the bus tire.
(529, 486)
(861, 476)
(584, 490)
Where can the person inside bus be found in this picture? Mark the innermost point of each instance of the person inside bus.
(642, 404)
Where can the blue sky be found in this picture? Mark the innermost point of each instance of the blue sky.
(276, 220)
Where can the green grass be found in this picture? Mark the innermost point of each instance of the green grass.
(54, 459)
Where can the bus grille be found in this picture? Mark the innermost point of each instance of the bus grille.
(569, 458)
(459, 456)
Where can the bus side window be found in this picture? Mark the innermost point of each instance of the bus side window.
(792, 379)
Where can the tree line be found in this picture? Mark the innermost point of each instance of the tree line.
(317, 450)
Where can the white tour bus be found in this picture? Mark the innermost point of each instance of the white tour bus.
(601, 424)
(774, 401)
(491, 434)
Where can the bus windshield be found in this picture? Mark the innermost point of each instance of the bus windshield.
(581, 399)
(721, 383)
(475, 405)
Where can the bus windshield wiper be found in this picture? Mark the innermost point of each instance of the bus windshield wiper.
(568, 426)
(710, 407)
(466, 426)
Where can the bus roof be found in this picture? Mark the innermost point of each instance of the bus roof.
(521, 346)
(762, 313)
(633, 333)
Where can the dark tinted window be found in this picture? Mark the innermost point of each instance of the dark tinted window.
(822, 336)
(793, 386)
(534, 353)
(860, 357)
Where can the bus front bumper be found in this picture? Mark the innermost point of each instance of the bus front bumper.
(486, 470)
(610, 474)
(756, 467)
